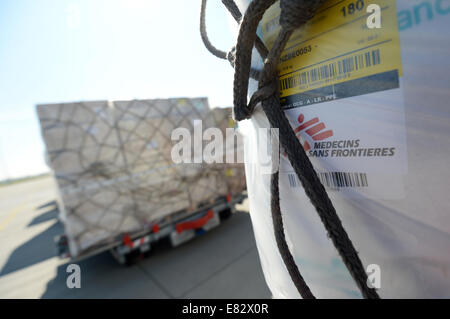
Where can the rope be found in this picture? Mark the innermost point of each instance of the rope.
(280, 239)
(230, 55)
(294, 14)
(236, 13)
(211, 48)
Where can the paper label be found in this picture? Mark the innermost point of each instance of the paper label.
(340, 85)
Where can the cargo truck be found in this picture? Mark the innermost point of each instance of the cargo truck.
(119, 186)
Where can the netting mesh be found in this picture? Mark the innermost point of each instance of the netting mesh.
(113, 165)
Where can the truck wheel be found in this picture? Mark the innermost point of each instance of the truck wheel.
(133, 257)
(225, 214)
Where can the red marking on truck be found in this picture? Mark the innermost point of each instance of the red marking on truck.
(127, 241)
(155, 228)
(194, 224)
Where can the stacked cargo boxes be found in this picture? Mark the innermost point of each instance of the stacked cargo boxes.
(113, 165)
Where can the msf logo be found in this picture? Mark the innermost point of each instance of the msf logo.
(310, 131)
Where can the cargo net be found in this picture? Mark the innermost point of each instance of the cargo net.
(114, 168)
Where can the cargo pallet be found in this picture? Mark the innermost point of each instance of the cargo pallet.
(178, 227)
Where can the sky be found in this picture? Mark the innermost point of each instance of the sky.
(54, 51)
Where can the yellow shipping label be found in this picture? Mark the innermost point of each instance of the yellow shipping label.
(336, 55)
(229, 172)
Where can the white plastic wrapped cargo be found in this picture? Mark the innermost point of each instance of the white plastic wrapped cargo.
(381, 148)
(114, 165)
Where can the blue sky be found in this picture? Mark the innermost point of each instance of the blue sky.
(71, 50)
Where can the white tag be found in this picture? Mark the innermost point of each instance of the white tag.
(357, 144)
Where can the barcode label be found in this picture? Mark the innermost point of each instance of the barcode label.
(332, 70)
(335, 179)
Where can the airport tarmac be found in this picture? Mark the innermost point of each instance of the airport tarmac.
(222, 263)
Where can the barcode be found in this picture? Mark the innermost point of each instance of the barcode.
(335, 179)
(332, 70)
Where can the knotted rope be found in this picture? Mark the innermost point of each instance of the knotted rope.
(230, 55)
(294, 14)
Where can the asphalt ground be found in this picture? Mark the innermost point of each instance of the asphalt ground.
(222, 263)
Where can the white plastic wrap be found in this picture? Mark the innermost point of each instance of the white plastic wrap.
(404, 224)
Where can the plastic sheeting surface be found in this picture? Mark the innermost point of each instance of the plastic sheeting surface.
(408, 233)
